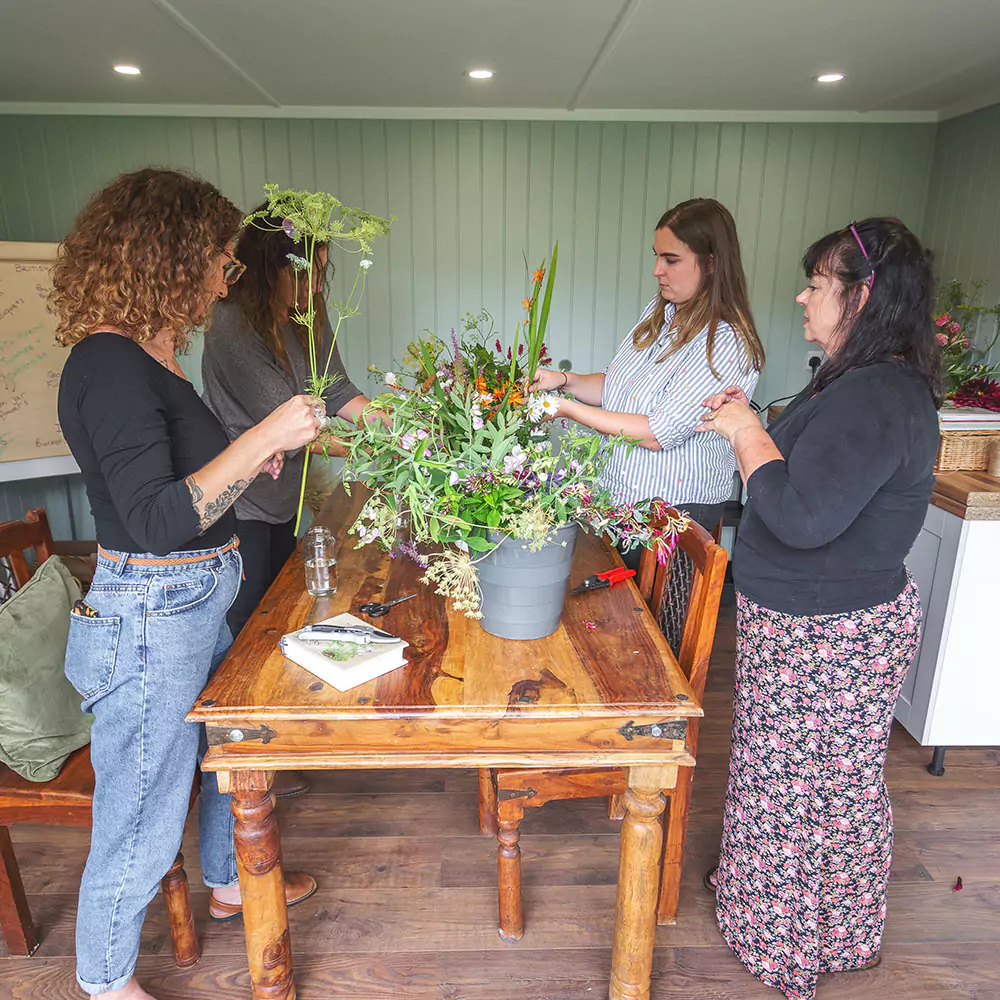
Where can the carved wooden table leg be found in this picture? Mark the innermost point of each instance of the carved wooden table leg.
(265, 915)
(638, 871)
(178, 899)
(511, 813)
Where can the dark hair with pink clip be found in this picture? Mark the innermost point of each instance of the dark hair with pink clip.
(884, 319)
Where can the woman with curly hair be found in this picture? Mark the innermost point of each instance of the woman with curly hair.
(828, 619)
(256, 356)
(142, 266)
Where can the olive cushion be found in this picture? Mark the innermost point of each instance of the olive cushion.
(40, 719)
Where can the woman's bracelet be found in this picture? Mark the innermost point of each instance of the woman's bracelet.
(565, 382)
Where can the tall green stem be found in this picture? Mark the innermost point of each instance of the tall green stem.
(302, 491)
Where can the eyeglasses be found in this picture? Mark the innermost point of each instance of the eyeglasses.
(233, 269)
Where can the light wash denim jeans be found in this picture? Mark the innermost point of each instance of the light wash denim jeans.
(139, 664)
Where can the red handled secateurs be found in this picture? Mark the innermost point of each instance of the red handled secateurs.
(606, 579)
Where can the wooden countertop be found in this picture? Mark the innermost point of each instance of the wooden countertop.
(973, 496)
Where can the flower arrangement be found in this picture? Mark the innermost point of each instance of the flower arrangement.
(461, 451)
(318, 219)
(970, 379)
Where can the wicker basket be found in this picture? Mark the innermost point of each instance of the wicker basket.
(966, 450)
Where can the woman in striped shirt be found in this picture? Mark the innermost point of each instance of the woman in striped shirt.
(696, 337)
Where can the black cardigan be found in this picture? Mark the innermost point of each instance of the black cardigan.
(826, 528)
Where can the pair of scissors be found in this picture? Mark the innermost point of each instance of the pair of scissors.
(360, 634)
(606, 579)
(377, 610)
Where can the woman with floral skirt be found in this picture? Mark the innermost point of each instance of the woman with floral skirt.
(828, 617)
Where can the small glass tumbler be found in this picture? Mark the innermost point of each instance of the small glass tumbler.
(319, 550)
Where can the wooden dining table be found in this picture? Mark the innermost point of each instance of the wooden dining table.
(604, 689)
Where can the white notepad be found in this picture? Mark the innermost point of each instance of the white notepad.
(370, 661)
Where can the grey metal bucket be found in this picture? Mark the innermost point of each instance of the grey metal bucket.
(524, 591)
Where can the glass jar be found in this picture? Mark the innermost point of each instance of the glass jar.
(319, 552)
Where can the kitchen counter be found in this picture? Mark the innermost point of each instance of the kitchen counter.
(972, 496)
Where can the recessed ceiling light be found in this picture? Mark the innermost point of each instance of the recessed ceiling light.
(127, 70)
(829, 77)
(480, 74)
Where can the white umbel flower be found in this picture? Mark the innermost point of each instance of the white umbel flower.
(366, 263)
(389, 378)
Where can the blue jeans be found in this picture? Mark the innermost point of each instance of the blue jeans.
(139, 664)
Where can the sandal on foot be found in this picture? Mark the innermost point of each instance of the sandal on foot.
(709, 880)
(288, 785)
(298, 887)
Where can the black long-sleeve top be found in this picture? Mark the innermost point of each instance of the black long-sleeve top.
(137, 431)
(826, 528)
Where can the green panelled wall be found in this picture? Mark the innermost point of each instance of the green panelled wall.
(963, 211)
(474, 197)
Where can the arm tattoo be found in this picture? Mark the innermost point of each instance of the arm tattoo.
(195, 490)
(209, 512)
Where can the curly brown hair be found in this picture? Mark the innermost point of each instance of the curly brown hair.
(137, 257)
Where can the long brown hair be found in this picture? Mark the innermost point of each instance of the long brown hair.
(705, 226)
(138, 254)
(265, 253)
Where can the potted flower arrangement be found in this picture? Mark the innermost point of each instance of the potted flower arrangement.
(316, 219)
(970, 377)
(469, 476)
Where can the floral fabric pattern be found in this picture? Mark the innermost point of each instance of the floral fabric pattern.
(807, 835)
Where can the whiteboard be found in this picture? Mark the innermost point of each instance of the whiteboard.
(31, 362)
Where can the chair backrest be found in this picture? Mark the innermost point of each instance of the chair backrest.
(17, 537)
(683, 595)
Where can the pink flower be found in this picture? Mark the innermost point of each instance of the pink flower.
(946, 318)
(954, 327)
(942, 340)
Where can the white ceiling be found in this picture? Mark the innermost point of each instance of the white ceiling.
(904, 58)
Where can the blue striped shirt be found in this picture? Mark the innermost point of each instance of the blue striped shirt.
(691, 468)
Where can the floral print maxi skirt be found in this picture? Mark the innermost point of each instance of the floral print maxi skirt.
(807, 836)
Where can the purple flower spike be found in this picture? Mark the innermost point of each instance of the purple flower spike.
(290, 231)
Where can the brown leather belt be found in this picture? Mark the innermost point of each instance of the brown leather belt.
(169, 560)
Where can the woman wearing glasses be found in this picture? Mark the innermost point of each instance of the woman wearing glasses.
(142, 266)
(255, 359)
(828, 618)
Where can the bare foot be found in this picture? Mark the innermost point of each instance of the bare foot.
(130, 991)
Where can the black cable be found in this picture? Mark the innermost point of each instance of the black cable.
(814, 364)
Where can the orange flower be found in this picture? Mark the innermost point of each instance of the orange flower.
(480, 384)
(498, 392)
(516, 399)
(526, 303)
(538, 275)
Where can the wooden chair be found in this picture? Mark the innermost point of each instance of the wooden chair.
(67, 799)
(684, 597)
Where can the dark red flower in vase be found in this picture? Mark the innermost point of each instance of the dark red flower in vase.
(981, 392)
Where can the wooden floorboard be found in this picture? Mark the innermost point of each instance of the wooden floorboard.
(407, 902)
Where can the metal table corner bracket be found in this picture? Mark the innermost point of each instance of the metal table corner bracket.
(673, 729)
(504, 794)
(218, 735)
